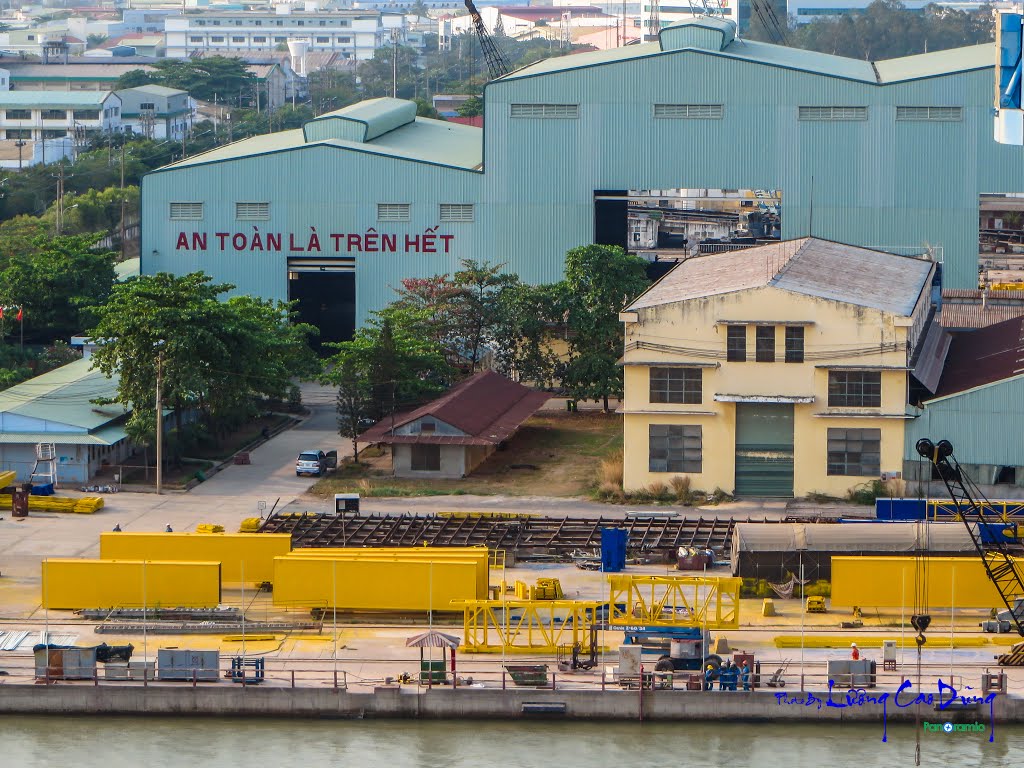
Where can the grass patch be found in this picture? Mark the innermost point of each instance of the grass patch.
(555, 453)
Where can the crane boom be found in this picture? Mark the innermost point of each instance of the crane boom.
(497, 62)
(1000, 565)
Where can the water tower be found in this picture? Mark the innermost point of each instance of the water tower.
(1009, 112)
(297, 50)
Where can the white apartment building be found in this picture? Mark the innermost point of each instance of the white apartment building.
(42, 126)
(350, 33)
(35, 115)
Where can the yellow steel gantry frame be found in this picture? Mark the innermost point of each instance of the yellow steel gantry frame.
(1005, 511)
(527, 626)
(544, 626)
(674, 601)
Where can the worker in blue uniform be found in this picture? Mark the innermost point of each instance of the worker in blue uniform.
(725, 676)
(709, 677)
(745, 676)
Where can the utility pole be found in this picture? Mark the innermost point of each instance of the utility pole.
(159, 423)
(122, 215)
(60, 196)
(394, 63)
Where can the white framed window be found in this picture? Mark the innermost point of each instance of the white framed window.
(186, 211)
(930, 114)
(393, 211)
(689, 111)
(833, 113)
(549, 111)
(456, 211)
(252, 211)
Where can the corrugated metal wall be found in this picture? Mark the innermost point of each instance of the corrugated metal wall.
(876, 182)
(985, 425)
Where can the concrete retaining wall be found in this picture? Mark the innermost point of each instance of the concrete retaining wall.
(393, 702)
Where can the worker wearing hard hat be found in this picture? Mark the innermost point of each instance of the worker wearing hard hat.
(745, 676)
(854, 652)
(709, 677)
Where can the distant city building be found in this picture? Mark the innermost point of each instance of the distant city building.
(351, 33)
(54, 119)
(79, 74)
(155, 111)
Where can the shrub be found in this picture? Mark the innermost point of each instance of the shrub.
(657, 491)
(681, 488)
(866, 493)
(611, 470)
(718, 496)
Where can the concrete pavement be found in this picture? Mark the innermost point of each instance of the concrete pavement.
(271, 474)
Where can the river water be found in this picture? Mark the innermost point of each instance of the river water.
(88, 742)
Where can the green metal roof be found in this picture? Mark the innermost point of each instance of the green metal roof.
(587, 59)
(424, 140)
(106, 436)
(65, 396)
(69, 99)
(893, 70)
(127, 268)
(157, 90)
(936, 63)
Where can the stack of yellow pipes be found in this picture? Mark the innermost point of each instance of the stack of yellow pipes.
(84, 505)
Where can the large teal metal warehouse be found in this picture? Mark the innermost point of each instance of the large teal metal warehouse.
(363, 197)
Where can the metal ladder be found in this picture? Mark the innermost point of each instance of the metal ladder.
(44, 472)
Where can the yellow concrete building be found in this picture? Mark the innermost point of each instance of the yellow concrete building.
(773, 371)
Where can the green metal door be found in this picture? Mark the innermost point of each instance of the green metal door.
(764, 449)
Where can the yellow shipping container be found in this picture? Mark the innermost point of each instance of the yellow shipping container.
(373, 584)
(252, 553)
(479, 555)
(74, 584)
(890, 582)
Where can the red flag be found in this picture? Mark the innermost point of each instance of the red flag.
(21, 314)
(1, 313)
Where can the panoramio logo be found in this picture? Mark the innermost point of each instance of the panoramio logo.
(954, 727)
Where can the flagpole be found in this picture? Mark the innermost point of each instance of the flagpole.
(21, 328)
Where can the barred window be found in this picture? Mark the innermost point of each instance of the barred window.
(833, 113)
(689, 111)
(456, 211)
(855, 452)
(252, 211)
(676, 385)
(551, 111)
(425, 458)
(854, 389)
(187, 211)
(764, 344)
(393, 211)
(794, 344)
(674, 448)
(930, 114)
(736, 344)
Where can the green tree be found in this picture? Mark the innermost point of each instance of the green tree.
(57, 283)
(399, 361)
(599, 281)
(476, 304)
(133, 78)
(216, 356)
(216, 76)
(95, 41)
(886, 29)
(425, 108)
(529, 323)
(350, 375)
(471, 107)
